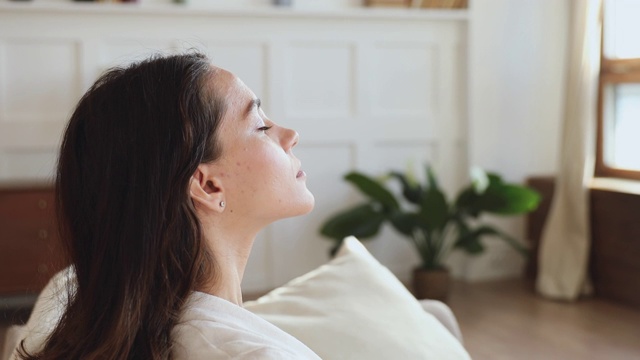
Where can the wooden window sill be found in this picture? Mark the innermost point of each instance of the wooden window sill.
(616, 185)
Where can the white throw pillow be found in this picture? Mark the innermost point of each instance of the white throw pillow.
(355, 308)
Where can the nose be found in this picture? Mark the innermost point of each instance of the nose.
(289, 139)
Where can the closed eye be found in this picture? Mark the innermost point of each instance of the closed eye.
(264, 128)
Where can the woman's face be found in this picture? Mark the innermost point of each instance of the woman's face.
(260, 177)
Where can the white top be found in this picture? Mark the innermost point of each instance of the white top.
(213, 328)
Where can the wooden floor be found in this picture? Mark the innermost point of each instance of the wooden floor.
(506, 320)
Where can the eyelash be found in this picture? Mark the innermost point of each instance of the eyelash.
(264, 128)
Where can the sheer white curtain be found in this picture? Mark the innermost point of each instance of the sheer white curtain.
(564, 251)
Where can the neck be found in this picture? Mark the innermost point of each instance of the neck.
(231, 252)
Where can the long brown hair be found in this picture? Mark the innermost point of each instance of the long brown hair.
(124, 212)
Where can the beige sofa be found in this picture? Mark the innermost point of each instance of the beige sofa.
(441, 311)
(351, 307)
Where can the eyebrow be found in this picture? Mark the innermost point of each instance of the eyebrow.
(254, 103)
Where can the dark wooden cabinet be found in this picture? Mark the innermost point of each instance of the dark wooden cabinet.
(614, 264)
(615, 255)
(29, 248)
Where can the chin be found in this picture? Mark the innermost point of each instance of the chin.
(310, 205)
(305, 204)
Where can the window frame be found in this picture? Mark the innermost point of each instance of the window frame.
(612, 72)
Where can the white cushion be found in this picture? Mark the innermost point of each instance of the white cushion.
(12, 338)
(443, 313)
(355, 308)
(47, 311)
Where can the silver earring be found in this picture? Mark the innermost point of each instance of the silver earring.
(222, 203)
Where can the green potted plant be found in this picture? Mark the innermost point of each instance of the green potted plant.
(434, 225)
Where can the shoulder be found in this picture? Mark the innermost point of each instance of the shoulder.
(211, 327)
(196, 344)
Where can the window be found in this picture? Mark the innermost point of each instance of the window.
(618, 153)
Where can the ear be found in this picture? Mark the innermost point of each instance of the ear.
(206, 190)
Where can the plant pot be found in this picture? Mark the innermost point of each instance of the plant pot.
(431, 284)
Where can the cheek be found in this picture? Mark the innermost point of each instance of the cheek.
(259, 169)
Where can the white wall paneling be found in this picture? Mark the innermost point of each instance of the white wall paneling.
(246, 58)
(116, 51)
(39, 72)
(319, 81)
(366, 89)
(39, 84)
(409, 92)
(29, 163)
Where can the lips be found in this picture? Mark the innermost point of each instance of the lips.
(300, 174)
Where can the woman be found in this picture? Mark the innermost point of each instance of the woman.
(167, 171)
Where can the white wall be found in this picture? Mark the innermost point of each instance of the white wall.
(511, 62)
(516, 84)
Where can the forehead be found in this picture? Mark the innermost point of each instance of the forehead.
(235, 93)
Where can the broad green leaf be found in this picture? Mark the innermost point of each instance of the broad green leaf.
(435, 209)
(517, 200)
(498, 198)
(431, 177)
(467, 202)
(495, 179)
(462, 226)
(373, 189)
(361, 221)
(411, 192)
(492, 200)
(478, 233)
(470, 240)
(406, 223)
(475, 234)
(471, 245)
